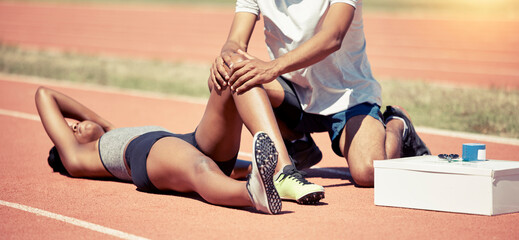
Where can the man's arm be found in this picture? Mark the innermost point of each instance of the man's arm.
(253, 71)
(238, 38)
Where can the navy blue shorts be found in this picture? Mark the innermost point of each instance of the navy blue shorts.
(137, 155)
(308, 122)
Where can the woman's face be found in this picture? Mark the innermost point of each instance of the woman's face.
(87, 131)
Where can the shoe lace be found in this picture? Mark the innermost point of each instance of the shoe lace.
(296, 175)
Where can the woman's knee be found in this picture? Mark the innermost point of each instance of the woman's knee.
(204, 165)
(187, 177)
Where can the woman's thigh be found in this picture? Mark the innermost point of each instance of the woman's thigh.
(219, 131)
(172, 164)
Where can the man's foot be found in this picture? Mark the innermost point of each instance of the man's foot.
(412, 144)
(304, 153)
(291, 185)
(260, 183)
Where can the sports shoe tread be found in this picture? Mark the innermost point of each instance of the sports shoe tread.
(266, 198)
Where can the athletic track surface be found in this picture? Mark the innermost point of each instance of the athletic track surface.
(38, 204)
(478, 52)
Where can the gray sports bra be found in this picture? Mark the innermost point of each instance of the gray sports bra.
(113, 144)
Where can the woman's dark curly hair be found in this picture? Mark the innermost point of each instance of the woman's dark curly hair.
(55, 163)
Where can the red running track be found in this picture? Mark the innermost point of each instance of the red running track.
(468, 52)
(346, 212)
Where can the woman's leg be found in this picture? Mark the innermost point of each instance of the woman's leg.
(219, 131)
(217, 135)
(259, 116)
(174, 164)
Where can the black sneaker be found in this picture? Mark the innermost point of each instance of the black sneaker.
(412, 144)
(304, 154)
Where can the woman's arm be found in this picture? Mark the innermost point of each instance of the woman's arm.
(53, 107)
(68, 107)
(329, 39)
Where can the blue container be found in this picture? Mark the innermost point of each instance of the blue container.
(474, 152)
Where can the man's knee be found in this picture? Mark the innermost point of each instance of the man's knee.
(363, 174)
(363, 143)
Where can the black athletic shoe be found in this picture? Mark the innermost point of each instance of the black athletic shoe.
(304, 154)
(412, 144)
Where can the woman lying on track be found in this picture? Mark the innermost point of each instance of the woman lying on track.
(155, 159)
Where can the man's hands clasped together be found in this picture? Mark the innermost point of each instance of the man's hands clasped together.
(241, 71)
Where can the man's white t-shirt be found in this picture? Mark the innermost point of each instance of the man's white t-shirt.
(338, 82)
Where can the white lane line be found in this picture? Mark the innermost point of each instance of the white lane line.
(17, 114)
(73, 221)
(113, 90)
(470, 136)
(426, 130)
(245, 154)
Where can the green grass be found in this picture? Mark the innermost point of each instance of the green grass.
(467, 109)
(487, 111)
(146, 75)
(459, 8)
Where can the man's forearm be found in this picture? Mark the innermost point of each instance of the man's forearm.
(231, 47)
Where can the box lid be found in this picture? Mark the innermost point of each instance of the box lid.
(431, 163)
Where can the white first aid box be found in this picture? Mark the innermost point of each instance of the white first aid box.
(428, 182)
